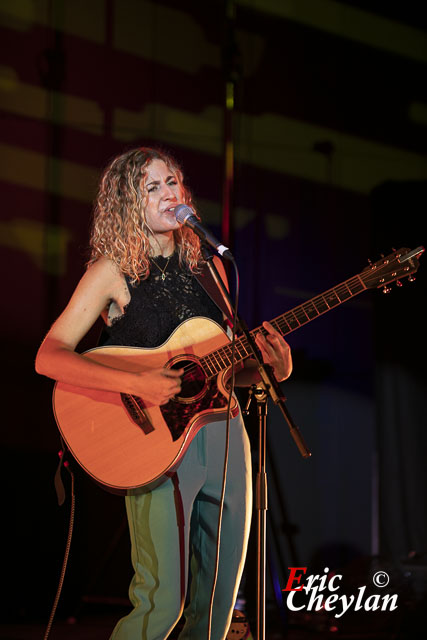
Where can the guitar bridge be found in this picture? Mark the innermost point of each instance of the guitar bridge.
(134, 407)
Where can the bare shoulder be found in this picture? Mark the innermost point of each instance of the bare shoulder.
(104, 280)
(104, 272)
(101, 283)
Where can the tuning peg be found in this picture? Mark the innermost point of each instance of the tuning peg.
(386, 289)
(399, 284)
(411, 278)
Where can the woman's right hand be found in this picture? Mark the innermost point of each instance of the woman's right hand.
(157, 386)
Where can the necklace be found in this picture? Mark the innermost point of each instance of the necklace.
(164, 268)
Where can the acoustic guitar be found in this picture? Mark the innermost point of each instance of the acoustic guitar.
(125, 444)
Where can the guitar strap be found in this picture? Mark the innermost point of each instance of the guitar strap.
(210, 285)
(59, 485)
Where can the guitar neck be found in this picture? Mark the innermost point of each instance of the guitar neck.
(317, 306)
(221, 359)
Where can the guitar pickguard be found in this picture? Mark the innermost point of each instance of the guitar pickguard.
(197, 394)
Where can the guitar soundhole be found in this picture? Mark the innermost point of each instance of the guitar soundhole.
(193, 381)
(198, 394)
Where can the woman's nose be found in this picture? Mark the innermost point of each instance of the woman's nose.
(168, 192)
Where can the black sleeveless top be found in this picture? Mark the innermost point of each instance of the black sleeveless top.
(158, 306)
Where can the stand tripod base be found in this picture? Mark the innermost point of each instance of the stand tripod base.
(239, 628)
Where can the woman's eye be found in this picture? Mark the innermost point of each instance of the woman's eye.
(153, 188)
(172, 182)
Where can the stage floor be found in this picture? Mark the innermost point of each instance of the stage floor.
(99, 627)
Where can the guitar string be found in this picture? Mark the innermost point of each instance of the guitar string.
(282, 323)
(339, 294)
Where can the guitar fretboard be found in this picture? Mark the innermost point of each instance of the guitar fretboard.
(219, 360)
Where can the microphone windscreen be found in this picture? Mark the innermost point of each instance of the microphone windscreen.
(182, 212)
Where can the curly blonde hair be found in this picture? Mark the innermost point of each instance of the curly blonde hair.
(119, 229)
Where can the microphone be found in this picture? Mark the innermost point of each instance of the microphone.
(185, 215)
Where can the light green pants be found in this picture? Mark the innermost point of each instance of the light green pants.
(174, 526)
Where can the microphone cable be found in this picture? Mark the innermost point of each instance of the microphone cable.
(226, 451)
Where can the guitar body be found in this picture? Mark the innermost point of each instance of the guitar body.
(125, 445)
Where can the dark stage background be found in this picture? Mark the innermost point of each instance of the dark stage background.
(329, 131)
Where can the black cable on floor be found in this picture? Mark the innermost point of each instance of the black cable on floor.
(66, 554)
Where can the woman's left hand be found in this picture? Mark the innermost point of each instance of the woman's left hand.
(275, 351)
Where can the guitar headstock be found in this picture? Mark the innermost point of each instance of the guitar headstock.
(399, 264)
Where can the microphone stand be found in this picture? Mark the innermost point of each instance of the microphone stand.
(268, 386)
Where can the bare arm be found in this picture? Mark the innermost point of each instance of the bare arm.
(57, 358)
